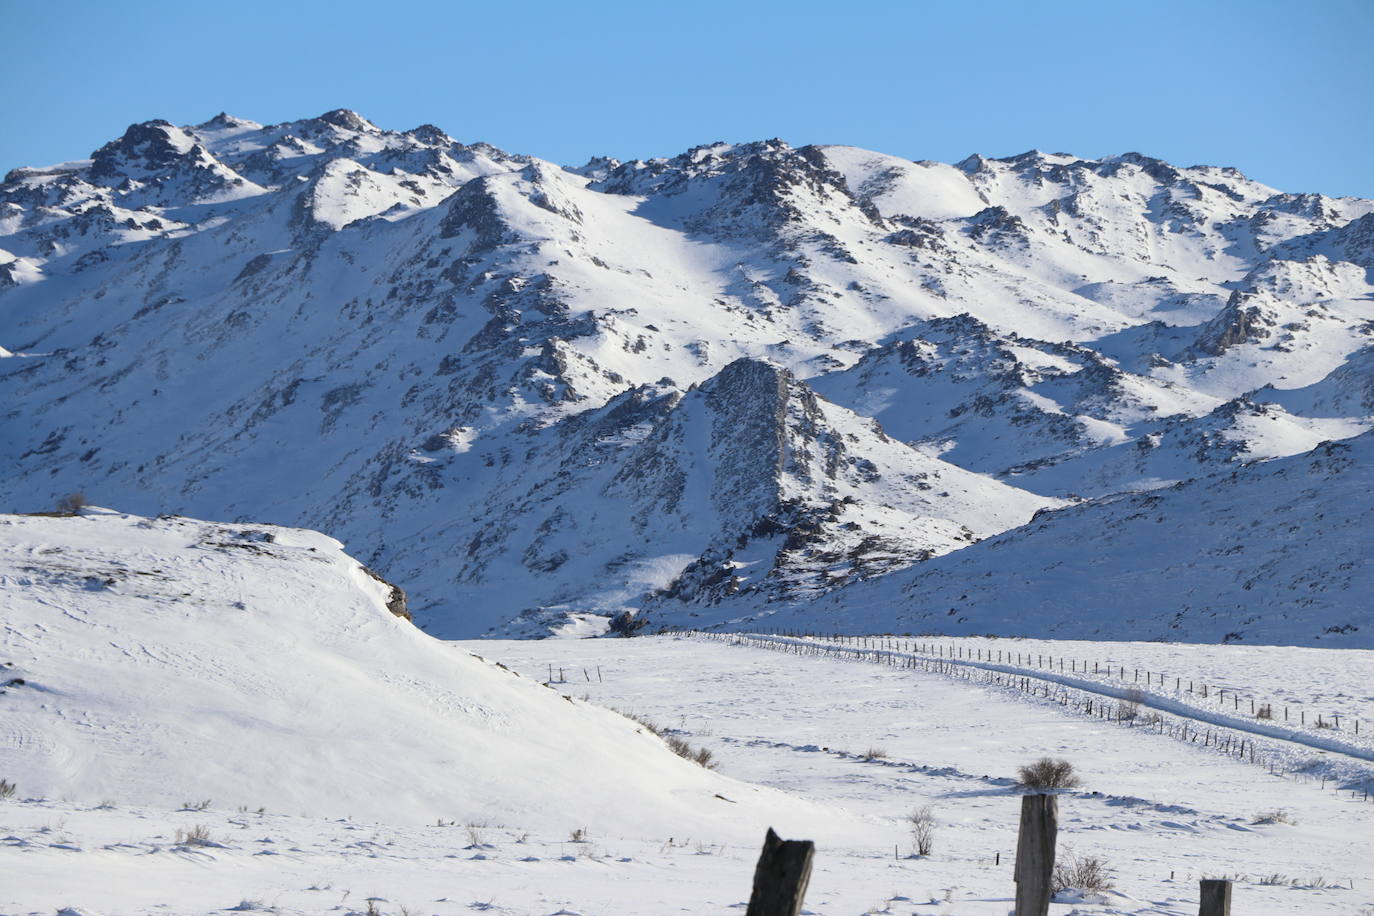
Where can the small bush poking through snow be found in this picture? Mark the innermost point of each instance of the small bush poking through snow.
(922, 822)
(700, 755)
(198, 835)
(1281, 880)
(1089, 874)
(649, 724)
(1277, 816)
(6, 789)
(1130, 703)
(678, 746)
(1048, 773)
(71, 504)
(875, 753)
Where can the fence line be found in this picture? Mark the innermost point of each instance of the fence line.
(1265, 710)
(931, 657)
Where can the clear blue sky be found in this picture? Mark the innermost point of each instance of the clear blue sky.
(1282, 90)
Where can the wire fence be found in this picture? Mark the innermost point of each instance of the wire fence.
(1129, 703)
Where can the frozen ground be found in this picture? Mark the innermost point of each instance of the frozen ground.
(163, 662)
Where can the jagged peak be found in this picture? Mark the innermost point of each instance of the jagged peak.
(484, 148)
(1038, 157)
(596, 168)
(347, 119)
(749, 369)
(156, 134)
(429, 134)
(226, 121)
(155, 146)
(474, 206)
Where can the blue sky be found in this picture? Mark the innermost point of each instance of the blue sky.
(1283, 91)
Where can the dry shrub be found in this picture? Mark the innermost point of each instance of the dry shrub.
(199, 835)
(1089, 874)
(1130, 703)
(1048, 773)
(922, 822)
(1277, 816)
(71, 504)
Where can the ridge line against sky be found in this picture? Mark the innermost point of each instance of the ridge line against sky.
(1278, 90)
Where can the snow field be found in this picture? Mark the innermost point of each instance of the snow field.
(1306, 714)
(249, 681)
(1162, 812)
(1325, 756)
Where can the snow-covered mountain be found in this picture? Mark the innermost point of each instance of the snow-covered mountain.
(748, 375)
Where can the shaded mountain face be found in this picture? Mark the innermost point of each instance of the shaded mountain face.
(539, 397)
(1274, 552)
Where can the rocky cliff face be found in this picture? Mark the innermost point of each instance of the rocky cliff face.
(535, 397)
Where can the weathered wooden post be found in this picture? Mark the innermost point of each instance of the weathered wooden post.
(1216, 898)
(781, 876)
(1035, 854)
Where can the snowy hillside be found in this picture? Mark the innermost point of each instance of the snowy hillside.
(169, 661)
(537, 397)
(1274, 553)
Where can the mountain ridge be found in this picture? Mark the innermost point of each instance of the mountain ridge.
(438, 352)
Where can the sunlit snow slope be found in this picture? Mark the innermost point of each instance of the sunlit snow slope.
(170, 661)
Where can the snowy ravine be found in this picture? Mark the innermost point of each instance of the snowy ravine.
(748, 378)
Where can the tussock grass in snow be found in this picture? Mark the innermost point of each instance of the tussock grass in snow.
(199, 835)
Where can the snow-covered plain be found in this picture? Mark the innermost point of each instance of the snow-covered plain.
(250, 681)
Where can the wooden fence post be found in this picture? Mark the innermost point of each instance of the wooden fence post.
(1216, 898)
(781, 876)
(1035, 854)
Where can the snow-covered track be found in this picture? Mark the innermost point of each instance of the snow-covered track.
(1283, 751)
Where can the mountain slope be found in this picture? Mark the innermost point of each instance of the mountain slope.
(443, 353)
(1273, 553)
